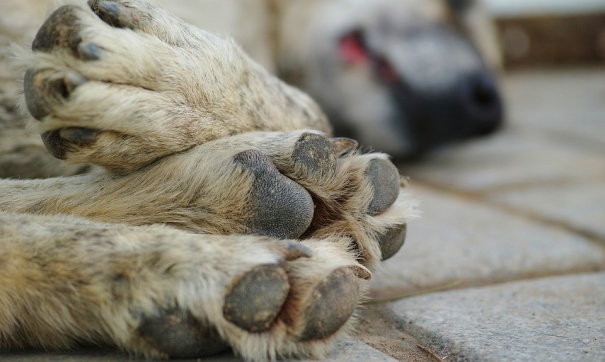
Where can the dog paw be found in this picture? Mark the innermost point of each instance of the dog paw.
(288, 185)
(359, 196)
(123, 83)
(278, 299)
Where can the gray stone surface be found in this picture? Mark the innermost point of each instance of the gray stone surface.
(510, 159)
(551, 319)
(350, 350)
(579, 205)
(565, 107)
(347, 350)
(465, 241)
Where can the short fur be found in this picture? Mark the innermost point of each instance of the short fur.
(437, 55)
(197, 143)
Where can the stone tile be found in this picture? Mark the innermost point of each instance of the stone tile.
(566, 105)
(510, 159)
(347, 350)
(460, 240)
(580, 205)
(550, 319)
(351, 350)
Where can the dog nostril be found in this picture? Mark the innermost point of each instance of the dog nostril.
(484, 94)
(481, 103)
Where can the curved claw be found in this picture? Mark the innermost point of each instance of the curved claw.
(79, 134)
(344, 145)
(293, 250)
(112, 13)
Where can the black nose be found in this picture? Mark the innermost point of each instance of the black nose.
(481, 103)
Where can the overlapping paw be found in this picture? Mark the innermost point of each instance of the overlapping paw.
(325, 188)
(360, 196)
(121, 84)
(295, 307)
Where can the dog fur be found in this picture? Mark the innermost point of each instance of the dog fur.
(421, 77)
(400, 76)
(221, 215)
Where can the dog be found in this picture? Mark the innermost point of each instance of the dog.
(222, 213)
(401, 76)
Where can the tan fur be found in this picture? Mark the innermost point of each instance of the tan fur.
(174, 109)
(285, 36)
(53, 294)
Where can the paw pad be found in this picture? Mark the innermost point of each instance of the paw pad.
(384, 178)
(55, 145)
(280, 207)
(59, 30)
(179, 335)
(62, 31)
(316, 155)
(42, 92)
(332, 303)
(391, 241)
(257, 298)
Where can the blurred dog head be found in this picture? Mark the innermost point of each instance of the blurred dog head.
(401, 76)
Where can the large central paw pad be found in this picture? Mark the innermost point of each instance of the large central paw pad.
(279, 206)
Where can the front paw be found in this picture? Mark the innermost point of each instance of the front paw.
(360, 196)
(123, 83)
(271, 299)
(364, 199)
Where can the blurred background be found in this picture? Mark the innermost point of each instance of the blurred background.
(550, 32)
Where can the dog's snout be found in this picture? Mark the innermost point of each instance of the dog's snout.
(481, 103)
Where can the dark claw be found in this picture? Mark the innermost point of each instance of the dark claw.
(392, 241)
(89, 51)
(344, 145)
(293, 250)
(116, 15)
(55, 145)
(361, 272)
(280, 207)
(384, 177)
(72, 81)
(42, 92)
(332, 303)
(257, 298)
(79, 134)
(179, 335)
